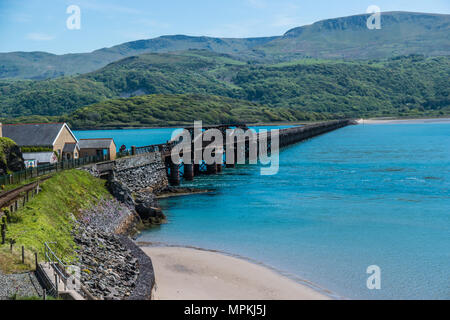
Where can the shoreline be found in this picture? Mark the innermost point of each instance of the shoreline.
(426, 119)
(178, 192)
(186, 272)
(403, 121)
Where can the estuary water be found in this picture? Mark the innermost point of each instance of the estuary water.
(341, 202)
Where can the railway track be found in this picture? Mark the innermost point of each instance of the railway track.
(8, 198)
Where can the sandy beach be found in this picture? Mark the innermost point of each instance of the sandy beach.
(403, 121)
(185, 273)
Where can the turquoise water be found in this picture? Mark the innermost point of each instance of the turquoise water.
(129, 137)
(358, 196)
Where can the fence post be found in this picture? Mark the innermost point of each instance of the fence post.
(23, 254)
(133, 150)
(36, 260)
(3, 231)
(56, 285)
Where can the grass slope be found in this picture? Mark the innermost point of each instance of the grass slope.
(47, 217)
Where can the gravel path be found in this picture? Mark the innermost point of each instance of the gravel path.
(25, 284)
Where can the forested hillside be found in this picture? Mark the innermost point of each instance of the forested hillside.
(167, 110)
(407, 86)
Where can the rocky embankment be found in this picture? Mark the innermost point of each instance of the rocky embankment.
(108, 269)
(144, 201)
(112, 266)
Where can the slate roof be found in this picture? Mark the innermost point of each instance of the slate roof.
(104, 143)
(33, 134)
(70, 147)
(41, 157)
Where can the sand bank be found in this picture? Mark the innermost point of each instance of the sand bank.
(185, 273)
(402, 121)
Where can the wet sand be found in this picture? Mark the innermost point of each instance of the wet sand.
(403, 121)
(185, 273)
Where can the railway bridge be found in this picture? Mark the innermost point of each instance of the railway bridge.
(242, 149)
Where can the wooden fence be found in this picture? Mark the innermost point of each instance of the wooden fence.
(19, 176)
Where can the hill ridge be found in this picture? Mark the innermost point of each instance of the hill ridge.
(421, 38)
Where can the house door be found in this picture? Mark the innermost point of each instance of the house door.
(99, 153)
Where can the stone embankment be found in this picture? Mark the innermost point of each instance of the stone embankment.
(135, 181)
(112, 265)
(109, 270)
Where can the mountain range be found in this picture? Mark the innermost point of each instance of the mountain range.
(402, 33)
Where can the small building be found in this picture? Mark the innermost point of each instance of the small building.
(71, 151)
(33, 159)
(98, 147)
(31, 163)
(44, 138)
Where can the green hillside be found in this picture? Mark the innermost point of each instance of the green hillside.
(402, 33)
(166, 110)
(406, 86)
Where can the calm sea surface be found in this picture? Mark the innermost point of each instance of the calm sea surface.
(359, 196)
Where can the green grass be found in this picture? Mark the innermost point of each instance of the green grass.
(48, 216)
(9, 187)
(11, 262)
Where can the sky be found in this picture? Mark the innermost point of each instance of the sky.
(41, 25)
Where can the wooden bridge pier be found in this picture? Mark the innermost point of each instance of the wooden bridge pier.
(211, 168)
(196, 169)
(174, 173)
(188, 173)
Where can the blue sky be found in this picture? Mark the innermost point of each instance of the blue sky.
(40, 25)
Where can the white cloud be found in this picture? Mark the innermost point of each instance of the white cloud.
(39, 37)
